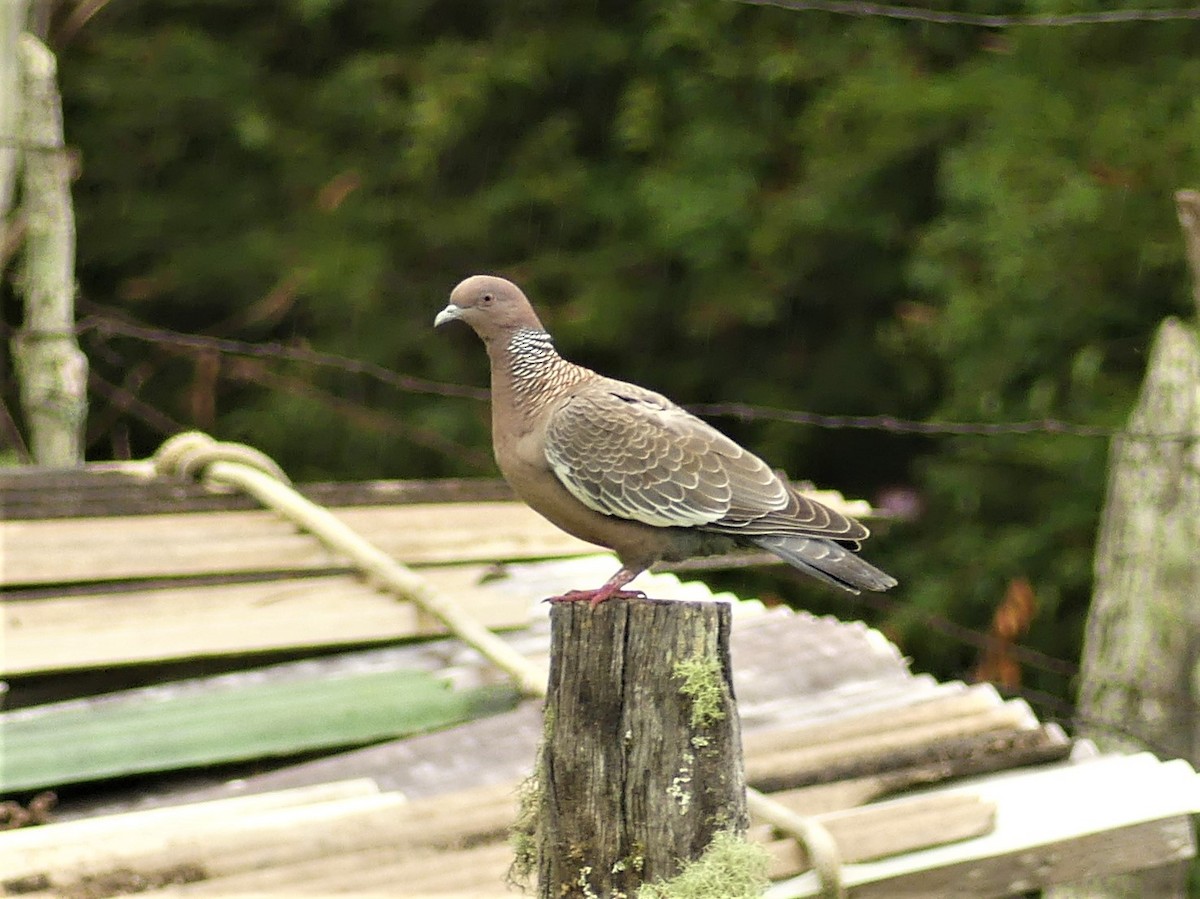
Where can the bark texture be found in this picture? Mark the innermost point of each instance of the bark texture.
(642, 760)
(1137, 688)
(51, 369)
(1139, 681)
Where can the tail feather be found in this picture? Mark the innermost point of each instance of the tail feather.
(826, 561)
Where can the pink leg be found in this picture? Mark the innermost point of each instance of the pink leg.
(611, 589)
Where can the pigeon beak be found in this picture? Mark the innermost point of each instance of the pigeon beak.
(449, 314)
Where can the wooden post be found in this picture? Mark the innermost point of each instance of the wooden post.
(642, 760)
(12, 23)
(1137, 683)
(51, 369)
(1138, 673)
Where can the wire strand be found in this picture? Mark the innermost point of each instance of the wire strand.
(981, 20)
(105, 325)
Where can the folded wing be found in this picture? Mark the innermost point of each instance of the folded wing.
(632, 453)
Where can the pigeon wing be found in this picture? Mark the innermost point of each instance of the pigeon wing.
(632, 453)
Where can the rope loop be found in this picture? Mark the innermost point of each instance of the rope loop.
(189, 455)
(825, 857)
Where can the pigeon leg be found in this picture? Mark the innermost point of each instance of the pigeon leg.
(610, 589)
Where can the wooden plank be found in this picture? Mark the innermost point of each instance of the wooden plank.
(962, 758)
(121, 628)
(972, 700)
(104, 490)
(213, 543)
(218, 847)
(1058, 824)
(886, 828)
(800, 764)
(477, 871)
(180, 818)
(256, 838)
(1118, 850)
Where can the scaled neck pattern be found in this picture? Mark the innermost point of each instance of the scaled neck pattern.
(536, 372)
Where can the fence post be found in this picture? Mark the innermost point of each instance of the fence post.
(51, 369)
(1143, 627)
(1137, 674)
(642, 759)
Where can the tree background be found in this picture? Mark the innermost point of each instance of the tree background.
(727, 203)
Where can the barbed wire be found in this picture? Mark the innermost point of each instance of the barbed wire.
(981, 20)
(359, 414)
(1051, 426)
(105, 325)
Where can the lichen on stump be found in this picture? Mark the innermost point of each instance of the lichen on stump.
(642, 762)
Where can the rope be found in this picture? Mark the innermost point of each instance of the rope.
(231, 466)
(234, 466)
(188, 455)
(811, 834)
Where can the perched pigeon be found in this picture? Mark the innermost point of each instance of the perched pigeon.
(625, 468)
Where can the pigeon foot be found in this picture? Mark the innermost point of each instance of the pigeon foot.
(594, 597)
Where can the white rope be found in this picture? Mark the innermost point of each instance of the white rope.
(818, 842)
(230, 465)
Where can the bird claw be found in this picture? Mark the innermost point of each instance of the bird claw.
(594, 597)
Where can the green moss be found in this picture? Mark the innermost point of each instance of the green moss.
(702, 682)
(523, 835)
(730, 868)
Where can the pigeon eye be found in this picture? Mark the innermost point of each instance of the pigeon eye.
(486, 299)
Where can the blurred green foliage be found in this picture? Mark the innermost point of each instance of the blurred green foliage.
(720, 201)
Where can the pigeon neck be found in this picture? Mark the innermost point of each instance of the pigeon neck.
(530, 358)
(529, 369)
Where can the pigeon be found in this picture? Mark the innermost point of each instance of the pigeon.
(625, 468)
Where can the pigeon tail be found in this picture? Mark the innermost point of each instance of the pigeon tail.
(826, 561)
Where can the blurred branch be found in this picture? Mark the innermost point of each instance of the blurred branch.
(82, 14)
(11, 434)
(128, 402)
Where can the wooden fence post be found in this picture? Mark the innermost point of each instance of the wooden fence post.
(51, 369)
(642, 760)
(1138, 671)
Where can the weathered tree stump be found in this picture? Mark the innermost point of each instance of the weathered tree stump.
(642, 760)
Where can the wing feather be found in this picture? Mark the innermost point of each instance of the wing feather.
(632, 453)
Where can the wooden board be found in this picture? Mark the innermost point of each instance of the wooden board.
(63, 551)
(1057, 824)
(130, 627)
(100, 490)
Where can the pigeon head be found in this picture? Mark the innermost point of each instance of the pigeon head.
(491, 306)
